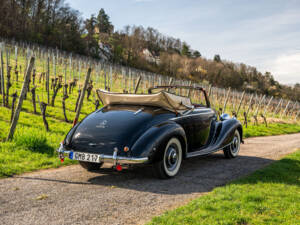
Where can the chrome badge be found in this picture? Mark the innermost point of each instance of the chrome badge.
(102, 124)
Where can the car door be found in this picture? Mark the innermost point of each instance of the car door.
(197, 126)
(201, 120)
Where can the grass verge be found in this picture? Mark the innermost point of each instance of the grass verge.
(272, 129)
(32, 147)
(268, 196)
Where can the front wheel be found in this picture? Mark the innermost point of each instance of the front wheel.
(170, 163)
(233, 149)
(90, 166)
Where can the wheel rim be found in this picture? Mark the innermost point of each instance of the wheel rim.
(172, 157)
(235, 146)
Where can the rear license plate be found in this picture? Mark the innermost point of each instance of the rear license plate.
(87, 157)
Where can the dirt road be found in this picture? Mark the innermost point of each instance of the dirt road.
(70, 195)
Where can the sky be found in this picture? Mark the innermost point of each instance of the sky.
(261, 33)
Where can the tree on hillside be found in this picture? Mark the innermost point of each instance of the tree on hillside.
(217, 58)
(196, 54)
(52, 23)
(91, 42)
(185, 50)
(117, 48)
(103, 23)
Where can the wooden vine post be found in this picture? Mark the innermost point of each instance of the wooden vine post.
(238, 109)
(277, 107)
(294, 107)
(286, 107)
(77, 100)
(258, 108)
(189, 90)
(170, 83)
(48, 81)
(298, 113)
(209, 90)
(245, 119)
(263, 115)
(65, 97)
(226, 100)
(14, 95)
(267, 106)
(33, 98)
(8, 86)
(137, 85)
(82, 96)
(2, 78)
(20, 102)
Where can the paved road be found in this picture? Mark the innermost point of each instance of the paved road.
(70, 195)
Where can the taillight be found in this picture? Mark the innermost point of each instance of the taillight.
(119, 167)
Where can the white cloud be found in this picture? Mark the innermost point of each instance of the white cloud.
(267, 43)
(286, 67)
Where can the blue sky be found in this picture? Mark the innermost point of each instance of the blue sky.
(261, 33)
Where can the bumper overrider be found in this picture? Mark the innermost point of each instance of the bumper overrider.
(115, 159)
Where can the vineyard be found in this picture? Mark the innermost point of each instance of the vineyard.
(50, 89)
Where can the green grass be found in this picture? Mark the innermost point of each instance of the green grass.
(268, 196)
(272, 129)
(32, 148)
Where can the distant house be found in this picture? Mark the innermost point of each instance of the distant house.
(105, 51)
(151, 57)
(96, 30)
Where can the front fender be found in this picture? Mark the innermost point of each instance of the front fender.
(149, 144)
(225, 132)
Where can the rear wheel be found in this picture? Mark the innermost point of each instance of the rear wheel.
(233, 149)
(170, 163)
(90, 166)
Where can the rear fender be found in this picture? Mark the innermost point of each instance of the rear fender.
(150, 143)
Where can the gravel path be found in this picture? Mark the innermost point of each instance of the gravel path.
(70, 195)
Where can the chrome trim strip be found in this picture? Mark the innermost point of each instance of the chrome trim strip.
(189, 115)
(115, 159)
(140, 110)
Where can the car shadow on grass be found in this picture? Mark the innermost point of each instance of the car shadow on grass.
(197, 175)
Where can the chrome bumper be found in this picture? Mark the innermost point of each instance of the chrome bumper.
(115, 159)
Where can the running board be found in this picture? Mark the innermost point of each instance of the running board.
(205, 152)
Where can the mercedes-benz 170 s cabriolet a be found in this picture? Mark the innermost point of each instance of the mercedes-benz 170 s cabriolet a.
(160, 128)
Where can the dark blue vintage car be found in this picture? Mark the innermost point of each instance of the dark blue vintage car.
(159, 128)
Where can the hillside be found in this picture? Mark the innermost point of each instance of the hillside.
(55, 24)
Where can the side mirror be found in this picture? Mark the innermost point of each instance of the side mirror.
(224, 116)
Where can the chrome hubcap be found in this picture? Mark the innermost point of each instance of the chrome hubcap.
(171, 157)
(235, 145)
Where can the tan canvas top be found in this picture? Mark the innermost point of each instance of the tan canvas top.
(162, 99)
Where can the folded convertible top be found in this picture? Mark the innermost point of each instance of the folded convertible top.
(162, 99)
